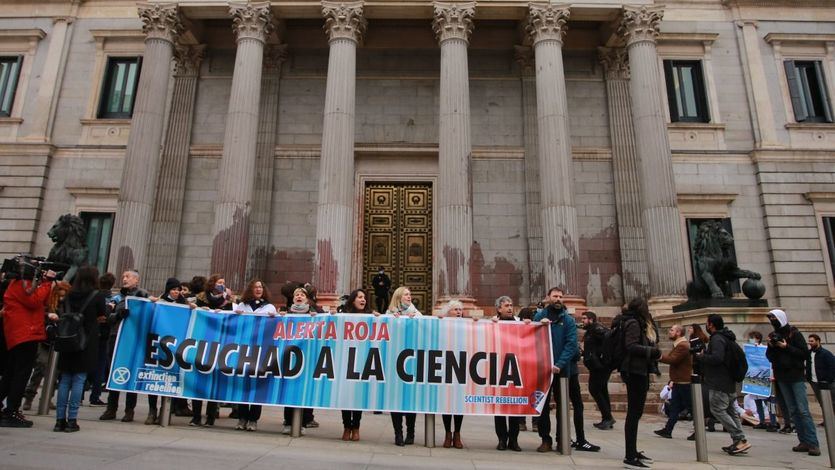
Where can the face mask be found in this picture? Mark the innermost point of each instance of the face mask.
(776, 324)
(752, 340)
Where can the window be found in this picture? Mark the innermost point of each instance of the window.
(692, 232)
(9, 73)
(99, 227)
(829, 231)
(686, 91)
(120, 80)
(807, 88)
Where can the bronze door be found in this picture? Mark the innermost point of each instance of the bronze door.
(398, 236)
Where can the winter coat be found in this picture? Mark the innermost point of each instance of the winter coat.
(641, 354)
(789, 364)
(86, 360)
(715, 371)
(264, 308)
(593, 347)
(118, 313)
(563, 339)
(23, 314)
(824, 365)
(679, 359)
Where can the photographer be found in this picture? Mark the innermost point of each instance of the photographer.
(119, 311)
(24, 327)
(788, 351)
(720, 383)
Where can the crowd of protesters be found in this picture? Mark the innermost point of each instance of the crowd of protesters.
(629, 347)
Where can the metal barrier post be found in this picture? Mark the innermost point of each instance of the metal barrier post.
(429, 431)
(296, 428)
(828, 420)
(565, 433)
(698, 417)
(48, 387)
(165, 412)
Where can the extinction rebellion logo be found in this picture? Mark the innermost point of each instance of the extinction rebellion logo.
(121, 376)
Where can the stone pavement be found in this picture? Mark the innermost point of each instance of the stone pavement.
(133, 446)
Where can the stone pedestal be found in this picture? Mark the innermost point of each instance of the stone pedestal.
(132, 229)
(252, 23)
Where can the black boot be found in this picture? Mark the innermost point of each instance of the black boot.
(410, 437)
(72, 426)
(398, 439)
(60, 425)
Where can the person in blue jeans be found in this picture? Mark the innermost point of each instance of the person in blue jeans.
(788, 351)
(84, 298)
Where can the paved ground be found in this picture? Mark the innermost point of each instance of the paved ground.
(115, 445)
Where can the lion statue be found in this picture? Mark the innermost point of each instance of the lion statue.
(713, 266)
(70, 238)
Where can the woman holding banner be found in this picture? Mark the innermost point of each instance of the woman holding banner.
(254, 301)
(454, 309)
(303, 303)
(357, 303)
(400, 305)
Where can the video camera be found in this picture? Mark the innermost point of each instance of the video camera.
(696, 346)
(28, 267)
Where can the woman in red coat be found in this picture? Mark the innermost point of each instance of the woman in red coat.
(23, 326)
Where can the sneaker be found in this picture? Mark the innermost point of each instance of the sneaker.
(739, 447)
(252, 426)
(814, 451)
(194, 422)
(786, 430)
(605, 424)
(312, 424)
(14, 420)
(663, 433)
(241, 426)
(643, 458)
(97, 402)
(634, 464)
(586, 446)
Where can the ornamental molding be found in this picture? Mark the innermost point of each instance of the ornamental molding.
(252, 20)
(187, 58)
(344, 20)
(641, 23)
(160, 21)
(547, 22)
(524, 56)
(453, 20)
(615, 62)
(274, 56)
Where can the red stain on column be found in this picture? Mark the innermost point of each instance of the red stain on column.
(229, 251)
(327, 269)
(453, 261)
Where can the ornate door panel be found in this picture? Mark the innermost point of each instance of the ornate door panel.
(398, 236)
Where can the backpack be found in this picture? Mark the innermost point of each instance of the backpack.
(735, 361)
(70, 336)
(613, 350)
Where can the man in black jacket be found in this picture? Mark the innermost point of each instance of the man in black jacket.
(720, 384)
(820, 367)
(787, 351)
(598, 373)
(382, 287)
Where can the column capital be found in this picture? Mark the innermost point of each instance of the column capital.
(615, 62)
(160, 21)
(252, 20)
(453, 20)
(524, 56)
(641, 23)
(274, 56)
(546, 22)
(188, 58)
(344, 20)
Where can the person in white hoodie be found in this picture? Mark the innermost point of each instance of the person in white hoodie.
(254, 301)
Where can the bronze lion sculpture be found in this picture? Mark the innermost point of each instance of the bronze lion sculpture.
(70, 238)
(713, 266)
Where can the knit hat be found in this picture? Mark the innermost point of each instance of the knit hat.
(171, 283)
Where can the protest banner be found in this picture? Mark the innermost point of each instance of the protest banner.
(361, 362)
(758, 378)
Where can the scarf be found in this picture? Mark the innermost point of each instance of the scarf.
(254, 304)
(299, 308)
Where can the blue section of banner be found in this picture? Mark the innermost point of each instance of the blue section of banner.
(758, 378)
(332, 361)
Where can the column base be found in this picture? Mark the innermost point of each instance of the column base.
(328, 300)
(575, 305)
(470, 306)
(663, 305)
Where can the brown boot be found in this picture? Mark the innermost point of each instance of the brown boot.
(544, 447)
(346, 434)
(128, 418)
(108, 415)
(448, 440)
(355, 434)
(456, 441)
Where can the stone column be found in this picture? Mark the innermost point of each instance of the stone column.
(533, 226)
(659, 210)
(345, 27)
(626, 173)
(161, 25)
(259, 232)
(168, 203)
(252, 23)
(453, 24)
(546, 27)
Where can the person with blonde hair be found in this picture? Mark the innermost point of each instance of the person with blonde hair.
(401, 304)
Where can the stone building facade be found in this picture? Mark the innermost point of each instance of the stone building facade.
(473, 149)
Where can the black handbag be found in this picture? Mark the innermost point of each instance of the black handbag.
(70, 336)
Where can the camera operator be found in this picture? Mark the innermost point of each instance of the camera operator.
(24, 327)
(119, 311)
(788, 351)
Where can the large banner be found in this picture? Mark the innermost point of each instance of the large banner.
(758, 378)
(361, 362)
